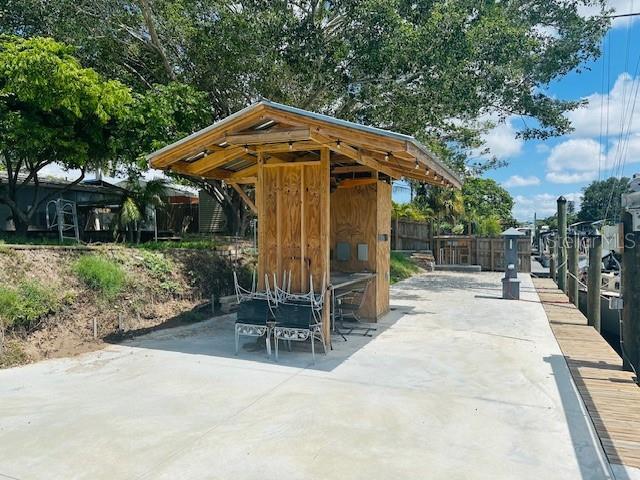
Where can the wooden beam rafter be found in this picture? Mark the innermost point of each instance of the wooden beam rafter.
(244, 197)
(340, 147)
(300, 146)
(269, 136)
(214, 160)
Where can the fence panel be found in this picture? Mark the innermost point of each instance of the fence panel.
(410, 235)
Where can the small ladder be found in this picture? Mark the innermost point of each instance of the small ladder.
(65, 219)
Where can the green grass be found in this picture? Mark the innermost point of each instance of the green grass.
(26, 303)
(18, 240)
(196, 244)
(402, 267)
(160, 268)
(100, 274)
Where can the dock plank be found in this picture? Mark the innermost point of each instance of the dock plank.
(609, 393)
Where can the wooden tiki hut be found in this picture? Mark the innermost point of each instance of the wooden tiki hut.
(322, 189)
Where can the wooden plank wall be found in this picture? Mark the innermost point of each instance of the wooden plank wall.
(358, 215)
(290, 224)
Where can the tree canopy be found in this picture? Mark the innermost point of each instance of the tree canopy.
(601, 200)
(443, 71)
(51, 110)
(484, 197)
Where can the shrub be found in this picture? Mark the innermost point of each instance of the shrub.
(489, 226)
(100, 274)
(160, 268)
(27, 303)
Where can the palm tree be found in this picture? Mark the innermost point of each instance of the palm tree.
(140, 195)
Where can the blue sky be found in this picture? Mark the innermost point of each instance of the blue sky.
(539, 171)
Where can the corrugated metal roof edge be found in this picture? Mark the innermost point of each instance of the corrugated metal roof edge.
(318, 116)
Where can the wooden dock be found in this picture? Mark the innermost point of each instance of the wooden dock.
(610, 394)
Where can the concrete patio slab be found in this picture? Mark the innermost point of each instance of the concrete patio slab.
(456, 384)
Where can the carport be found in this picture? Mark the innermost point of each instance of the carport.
(321, 190)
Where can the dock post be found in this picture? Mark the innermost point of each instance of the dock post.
(553, 255)
(630, 340)
(572, 260)
(594, 282)
(562, 244)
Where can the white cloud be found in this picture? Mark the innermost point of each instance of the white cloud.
(619, 7)
(502, 141)
(575, 160)
(582, 160)
(616, 105)
(542, 148)
(520, 181)
(543, 204)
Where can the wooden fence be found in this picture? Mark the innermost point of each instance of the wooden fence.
(488, 252)
(410, 235)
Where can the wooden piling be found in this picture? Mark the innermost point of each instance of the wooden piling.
(630, 340)
(562, 244)
(553, 255)
(572, 261)
(594, 282)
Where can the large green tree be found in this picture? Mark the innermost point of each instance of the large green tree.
(442, 70)
(484, 198)
(52, 110)
(601, 200)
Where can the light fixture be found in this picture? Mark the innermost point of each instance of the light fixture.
(386, 156)
(246, 149)
(290, 145)
(426, 172)
(195, 157)
(417, 164)
(338, 144)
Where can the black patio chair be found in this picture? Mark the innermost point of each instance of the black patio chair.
(298, 321)
(255, 315)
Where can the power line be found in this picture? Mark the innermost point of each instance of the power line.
(621, 15)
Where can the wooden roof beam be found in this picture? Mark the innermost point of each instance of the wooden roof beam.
(200, 140)
(244, 197)
(268, 136)
(214, 160)
(340, 147)
(300, 146)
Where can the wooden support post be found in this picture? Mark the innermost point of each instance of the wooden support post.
(279, 215)
(304, 274)
(630, 340)
(325, 225)
(572, 280)
(562, 244)
(594, 282)
(553, 255)
(260, 205)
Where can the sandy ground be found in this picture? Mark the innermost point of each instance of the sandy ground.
(455, 384)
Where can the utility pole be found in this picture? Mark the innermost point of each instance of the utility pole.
(594, 281)
(562, 244)
(572, 281)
